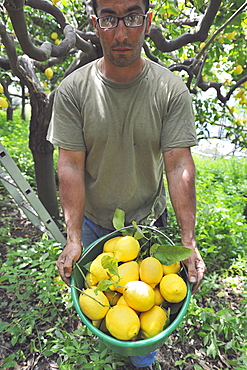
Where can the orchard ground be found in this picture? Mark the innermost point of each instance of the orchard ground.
(181, 351)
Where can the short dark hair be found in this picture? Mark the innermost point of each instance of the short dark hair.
(95, 5)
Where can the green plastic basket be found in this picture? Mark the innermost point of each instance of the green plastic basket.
(125, 348)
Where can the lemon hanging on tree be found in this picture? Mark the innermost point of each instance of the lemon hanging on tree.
(54, 35)
(49, 73)
(3, 103)
(238, 70)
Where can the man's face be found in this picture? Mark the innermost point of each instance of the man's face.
(121, 45)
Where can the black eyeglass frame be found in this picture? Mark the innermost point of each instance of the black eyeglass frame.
(144, 16)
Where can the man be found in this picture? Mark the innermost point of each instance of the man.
(118, 122)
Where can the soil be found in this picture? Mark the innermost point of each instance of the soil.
(190, 353)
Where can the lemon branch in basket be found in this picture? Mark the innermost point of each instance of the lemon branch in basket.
(84, 293)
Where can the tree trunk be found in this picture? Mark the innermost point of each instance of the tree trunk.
(42, 152)
(45, 180)
(23, 103)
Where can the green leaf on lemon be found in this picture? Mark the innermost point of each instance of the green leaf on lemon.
(111, 264)
(169, 254)
(104, 285)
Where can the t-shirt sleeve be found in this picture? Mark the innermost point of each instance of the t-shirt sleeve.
(178, 130)
(66, 125)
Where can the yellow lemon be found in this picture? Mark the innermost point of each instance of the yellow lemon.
(97, 271)
(238, 70)
(240, 93)
(90, 280)
(139, 295)
(151, 271)
(171, 269)
(159, 299)
(231, 35)
(94, 306)
(128, 271)
(122, 301)
(49, 73)
(122, 322)
(152, 322)
(126, 249)
(96, 323)
(3, 103)
(202, 45)
(173, 288)
(1, 89)
(110, 244)
(54, 35)
(113, 297)
(100, 324)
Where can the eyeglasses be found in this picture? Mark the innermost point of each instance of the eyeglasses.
(111, 21)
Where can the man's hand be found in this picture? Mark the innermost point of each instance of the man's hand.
(196, 268)
(71, 253)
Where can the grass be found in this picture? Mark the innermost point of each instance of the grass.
(42, 316)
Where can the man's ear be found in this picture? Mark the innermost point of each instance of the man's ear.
(95, 24)
(149, 22)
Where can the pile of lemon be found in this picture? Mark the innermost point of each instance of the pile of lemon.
(131, 309)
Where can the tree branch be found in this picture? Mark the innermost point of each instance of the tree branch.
(219, 30)
(166, 46)
(10, 49)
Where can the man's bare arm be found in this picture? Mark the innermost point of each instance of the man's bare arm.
(72, 196)
(180, 172)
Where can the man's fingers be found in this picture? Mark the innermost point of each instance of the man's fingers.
(64, 265)
(196, 268)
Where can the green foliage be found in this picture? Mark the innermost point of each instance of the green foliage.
(41, 310)
(221, 200)
(222, 240)
(14, 137)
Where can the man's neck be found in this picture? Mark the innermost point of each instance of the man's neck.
(121, 74)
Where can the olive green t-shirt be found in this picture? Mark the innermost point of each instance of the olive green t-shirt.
(124, 128)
